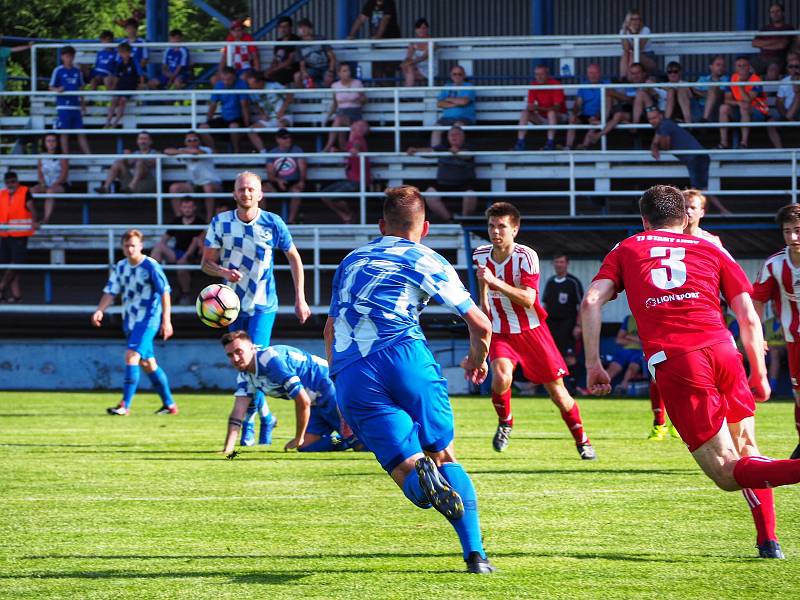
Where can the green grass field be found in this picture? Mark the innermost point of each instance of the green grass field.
(142, 507)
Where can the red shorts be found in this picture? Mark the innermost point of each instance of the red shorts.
(703, 388)
(534, 350)
(793, 353)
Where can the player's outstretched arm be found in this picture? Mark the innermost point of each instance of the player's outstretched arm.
(301, 309)
(600, 292)
(752, 337)
(240, 405)
(327, 335)
(106, 300)
(480, 334)
(302, 409)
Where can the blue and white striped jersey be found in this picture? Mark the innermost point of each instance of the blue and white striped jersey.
(248, 247)
(140, 287)
(380, 289)
(282, 371)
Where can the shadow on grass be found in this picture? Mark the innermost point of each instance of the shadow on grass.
(576, 472)
(39, 445)
(255, 577)
(316, 556)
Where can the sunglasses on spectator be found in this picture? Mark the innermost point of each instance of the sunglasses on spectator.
(673, 70)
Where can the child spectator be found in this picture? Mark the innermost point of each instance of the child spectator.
(244, 56)
(316, 61)
(141, 54)
(235, 109)
(356, 143)
(128, 77)
(175, 66)
(69, 109)
(286, 173)
(267, 109)
(135, 176)
(415, 65)
(200, 172)
(346, 107)
(103, 71)
(52, 174)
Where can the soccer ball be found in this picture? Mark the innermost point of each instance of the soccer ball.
(217, 305)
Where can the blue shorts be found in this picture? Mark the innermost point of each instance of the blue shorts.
(68, 119)
(258, 326)
(98, 73)
(324, 418)
(396, 402)
(140, 340)
(163, 79)
(626, 356)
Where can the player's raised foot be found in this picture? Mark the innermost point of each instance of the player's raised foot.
(658, 433)
(168, 410)
(268, 423)
(120, 411)
(441, 496)
(673, 433)
(500, 439)
(770, 549)
(248, 434)
(586, 451)
(479, 565)
(796, 453)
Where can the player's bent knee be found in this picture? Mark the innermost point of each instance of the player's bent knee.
(149, 364)
(132, 357)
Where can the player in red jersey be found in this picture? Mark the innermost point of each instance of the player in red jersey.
(673, 281)
(508, 276)
(779, 281)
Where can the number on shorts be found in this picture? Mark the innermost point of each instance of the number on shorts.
(673, 278)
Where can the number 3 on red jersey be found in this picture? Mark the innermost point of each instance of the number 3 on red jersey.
(673, 278)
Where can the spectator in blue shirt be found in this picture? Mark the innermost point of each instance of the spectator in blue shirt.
(587, 106)
(234, 110)
(69, 109)
(140, 53)
(174, 66)
(458, 105)
(103, 71)
(128, 77)
(707, 99)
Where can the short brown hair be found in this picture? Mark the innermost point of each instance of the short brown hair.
(788, 214)
(234, 335)
(695, 193)
(132, 233)
(662, 205)
(403, 207)
(504, 209)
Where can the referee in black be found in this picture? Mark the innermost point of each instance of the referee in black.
(562, 298)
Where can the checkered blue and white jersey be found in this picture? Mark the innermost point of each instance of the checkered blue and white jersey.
(140, 288)
(380, 289)
(248, 247)
(282, 371)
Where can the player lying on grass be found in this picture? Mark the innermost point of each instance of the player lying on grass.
(388, 385)
(508, 276)
(673, 282)
(143, 287)
(289, 373)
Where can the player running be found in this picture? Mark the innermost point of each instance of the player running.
(508, 276)
(778, 281)
(289, 373)
(144, 289)
(239, 247)
(388, 385)
(673, 282)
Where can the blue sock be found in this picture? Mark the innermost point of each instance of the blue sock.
(323, 444)
(129, 384)
(413, 490)
(161, 385)
(773, 383)
(467, 527)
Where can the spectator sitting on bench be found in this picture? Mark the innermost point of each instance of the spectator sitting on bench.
(457, 103)
(200, 172)
(415, 66)
(52, 174)
(356, 143)
(286, 173)
(235, 109)
(346, 107)
(175, 67)
(104, 62)
(267, 109)
(316, 60)
(544, 106)
(136, 176)
(620, 103)
(141, 54)
(128, 77)
(586, 108)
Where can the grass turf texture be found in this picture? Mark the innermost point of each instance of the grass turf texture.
(94, 506)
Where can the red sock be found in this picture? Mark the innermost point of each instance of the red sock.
(762, 505)
(573, 420)
(657, 405)
(759, 472)
(502, 406)
(797, 415)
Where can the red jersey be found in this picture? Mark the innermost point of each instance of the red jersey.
(779, 281)
(520, 269)
(547, 98)
(241, 52)
(673, 281)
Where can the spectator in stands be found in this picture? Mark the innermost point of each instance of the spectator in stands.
(746, 103)
(317, 61)
(200, 172)
(544, 106)
(5, 54)
(52, 174)
(620, 102)
(454, 173)
(706, 100)
(457, 103)
(244, 56)
(128, 77)
(629, 357)
(415, 65)
(284, 58)
(382, 18)
(356, 143)
(141, 54)
(175, 67)
(669, 136)
(346, 106)
(182, 247)
(286, 173)
(104, 62)
(267, 109)
(17, 211)
(634, 25)
(586, 110)
(69, 109)
(135, 176)
(772, 48)
(677, 98)
(788, 100)
(235, 109)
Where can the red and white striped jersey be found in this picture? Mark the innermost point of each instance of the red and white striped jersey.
(520, 269)
(779, 281)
